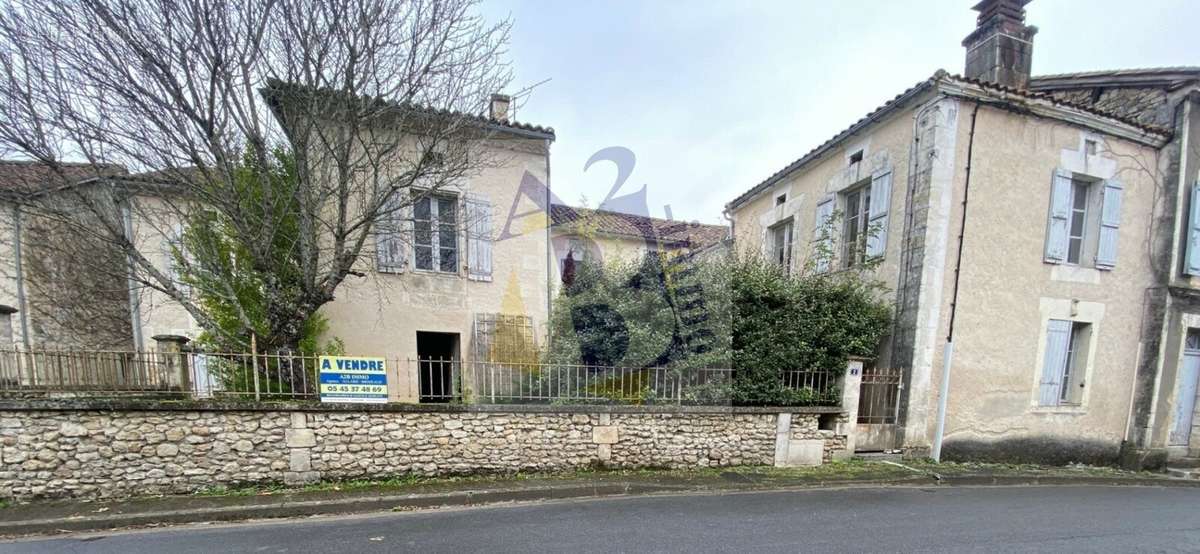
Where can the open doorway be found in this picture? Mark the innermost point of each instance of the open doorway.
(438, 366)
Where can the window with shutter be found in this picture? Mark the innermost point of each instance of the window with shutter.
(1064, 362)
(880, 203)
(823, 235)
(1110, 223)
(479, 239)
(1058, 340)
(1192, 264)
(1057, 227)
(391, 256)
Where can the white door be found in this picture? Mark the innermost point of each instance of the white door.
(1185, 399)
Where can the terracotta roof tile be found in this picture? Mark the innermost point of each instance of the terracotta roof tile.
(24, 176)
(275, 85)
(914, 90)
(695, 235)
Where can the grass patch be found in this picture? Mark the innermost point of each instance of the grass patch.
(839, 471)
(4, 503)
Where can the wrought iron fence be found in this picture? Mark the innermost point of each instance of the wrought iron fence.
(879, 395)
(287, 376)
(189, 374)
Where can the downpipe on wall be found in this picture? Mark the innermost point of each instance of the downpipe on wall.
(948, 352)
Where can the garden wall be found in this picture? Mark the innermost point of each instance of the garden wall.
(91, 449)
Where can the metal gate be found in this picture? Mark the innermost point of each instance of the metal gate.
(878, 407)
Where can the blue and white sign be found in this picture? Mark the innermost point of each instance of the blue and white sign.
(353, 379)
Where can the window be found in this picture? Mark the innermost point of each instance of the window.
(6, 326)
(856, 157)
(1065, 362)
(435, 233)
(1084, 221)
(1079, 221)
(781, 200)
(858, 207)
(781, 244)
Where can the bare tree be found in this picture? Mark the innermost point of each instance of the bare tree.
(374, 102)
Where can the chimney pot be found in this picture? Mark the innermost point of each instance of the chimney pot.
(1000, 49)
(500, 106)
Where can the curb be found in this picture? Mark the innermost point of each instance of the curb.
(407, 502)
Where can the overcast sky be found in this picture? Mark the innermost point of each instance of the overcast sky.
(713, 97)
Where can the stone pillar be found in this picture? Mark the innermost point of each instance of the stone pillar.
(851, 385)
(604, 436)
(300, 440)
(172, 349)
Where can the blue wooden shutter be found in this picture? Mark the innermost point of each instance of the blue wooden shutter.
(479, 239)
(391, 256)
(1110, 221)
(1058, 341)
(877, 224)
(1060, 217)
(823, 235)
(1192, 267)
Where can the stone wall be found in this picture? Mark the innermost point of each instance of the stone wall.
(161, 449)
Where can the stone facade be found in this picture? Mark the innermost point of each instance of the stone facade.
(112, 453)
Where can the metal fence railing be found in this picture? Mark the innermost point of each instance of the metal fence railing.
(286, 376)
(186, 374)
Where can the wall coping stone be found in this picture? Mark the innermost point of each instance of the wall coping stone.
(95, 404)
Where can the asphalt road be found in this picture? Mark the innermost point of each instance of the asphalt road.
(1014, 519)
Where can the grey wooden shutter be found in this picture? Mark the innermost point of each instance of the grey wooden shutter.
(1058, 340)
(1110, 221)
(822, 234)
(877, 223)
(391, 255)
(479, 239)
(1192, 267)
(1060, 217)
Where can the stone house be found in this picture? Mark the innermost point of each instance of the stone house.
(1040, 237)
(44, 303)
(409, 299)
(599, 235)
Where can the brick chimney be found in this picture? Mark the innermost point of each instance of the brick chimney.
(499, 110)
(1000, 49)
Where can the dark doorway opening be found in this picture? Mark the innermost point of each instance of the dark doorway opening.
(438, 366)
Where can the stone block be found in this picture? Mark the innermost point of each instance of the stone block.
(300, 438)
(300, 459)
(299, 420)
(301, 477)
(805, 452)
(604, 434)
(604, 452)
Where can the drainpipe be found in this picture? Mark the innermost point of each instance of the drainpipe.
(135, 301)
(22, 305)
(549, 245)
(948, 352)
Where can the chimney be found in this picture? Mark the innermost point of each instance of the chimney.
(1000, 49)
(499, 111)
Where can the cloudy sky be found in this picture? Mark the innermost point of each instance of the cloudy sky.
(712, 97)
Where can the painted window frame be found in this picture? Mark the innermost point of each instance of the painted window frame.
(856, 224)
(437, 229)
(781, 251)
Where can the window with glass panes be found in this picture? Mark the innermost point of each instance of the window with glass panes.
(858, 206)
(781, 244)
(435, 233)
(1079, 215)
